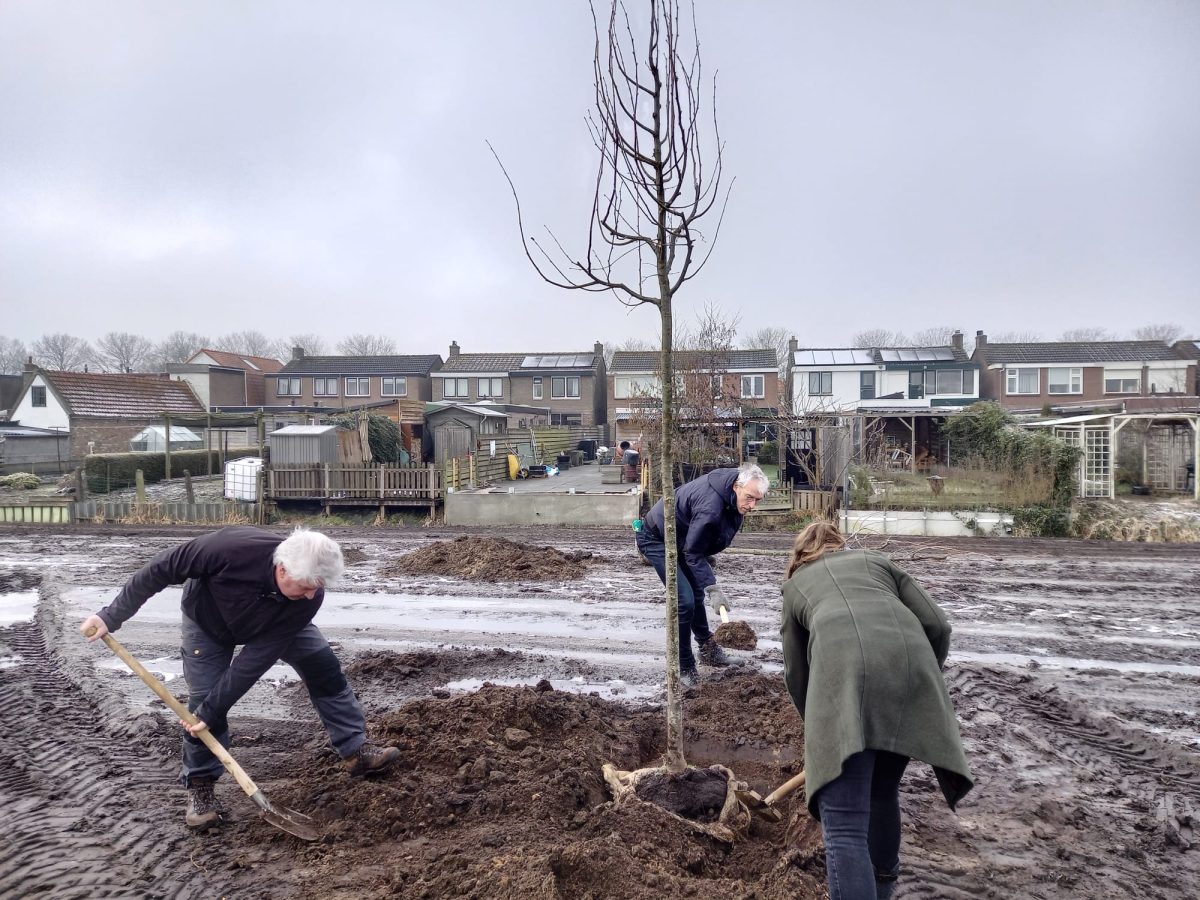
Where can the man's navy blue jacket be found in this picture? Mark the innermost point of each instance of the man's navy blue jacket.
(706, 521)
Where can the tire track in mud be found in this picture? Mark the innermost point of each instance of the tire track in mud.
(1048, 769)
(77, 824)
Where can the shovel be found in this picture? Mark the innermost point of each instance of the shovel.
(765, 807)
(287, 819)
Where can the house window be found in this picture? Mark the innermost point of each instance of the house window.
(492, 425)
(866, 385)
(456, 387)
(626, 387)
(537, 388)
(754, 386)
(287, 387)
(566, 419)
(947, 381)
(820, 383)
(564, 387)
(325, 387)
(394, 386)
(358, 387)
(491, 387)
(1122, 381)
(916, 384)
(37, 396)
(1064, 380)
(1023, 381)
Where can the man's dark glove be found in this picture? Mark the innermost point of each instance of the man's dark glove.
(716, 597)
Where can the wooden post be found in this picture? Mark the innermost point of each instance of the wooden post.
(80, 485)
(167, 474)
(208, 442)
(432, 484)
(325, 491)
(187, 487)
(139, 479)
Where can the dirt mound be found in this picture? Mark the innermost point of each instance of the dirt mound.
(353, 555)
(695, 794)
(19, 580)
(491, 559)
(736, 636)
(499, 793)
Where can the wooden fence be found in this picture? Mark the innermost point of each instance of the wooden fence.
(216, 513)
(390, 485)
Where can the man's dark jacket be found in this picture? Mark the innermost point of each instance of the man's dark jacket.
(232, 595)
(706, 522)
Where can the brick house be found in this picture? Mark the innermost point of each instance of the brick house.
(570, 385)
(1074, 375)
(350, 382)
(224, 379)
(101, 412)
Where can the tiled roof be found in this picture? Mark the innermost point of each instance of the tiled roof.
(1078, 352)
(362, 365)
(522, 363)
(685, 360)
(241, 360)
(97, 395)
(1188, 349)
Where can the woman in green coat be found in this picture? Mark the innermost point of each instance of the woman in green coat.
(863, 649)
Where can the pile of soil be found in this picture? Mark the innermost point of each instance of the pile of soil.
(736, 636)
(696, 794)
(499, 793)
(353, 555)
(491, 559)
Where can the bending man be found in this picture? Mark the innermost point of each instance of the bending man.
(250, 587)
(708, 514)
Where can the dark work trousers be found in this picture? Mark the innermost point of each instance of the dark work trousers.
(860, 817)
(205, 661)
(693, 620)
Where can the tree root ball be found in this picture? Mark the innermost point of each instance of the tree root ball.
(696, 794)
(736, 636)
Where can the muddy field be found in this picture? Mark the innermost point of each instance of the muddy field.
(1074, 668)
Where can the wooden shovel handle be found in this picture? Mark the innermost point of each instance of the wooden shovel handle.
(245, 781)
(793, 783)
(724, 614)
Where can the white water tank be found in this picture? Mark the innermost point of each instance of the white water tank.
(241, 478)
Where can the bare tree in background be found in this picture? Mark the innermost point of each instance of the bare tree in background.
(366, 345)
(879, 337)
(251, 343)
(62, 352)
(178, 347)
(1087, 334)
(1015, 337)
(652, 190)
(311, 344)
(935, 336)
(770, 338)
(121, 351)
(12, 356)
(629, 345)
(1167, 332)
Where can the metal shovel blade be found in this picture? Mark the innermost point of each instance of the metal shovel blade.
(754, 802)
(295, 823)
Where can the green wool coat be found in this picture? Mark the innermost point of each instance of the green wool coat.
(863, 648)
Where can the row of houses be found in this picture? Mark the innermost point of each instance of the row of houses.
(904, 392)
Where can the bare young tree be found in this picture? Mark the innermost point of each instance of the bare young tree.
(122, 351)
(62, 352)
(935, 336)
(879, 337)
(251, 343)
(1167, 332)
(366, 345)
(770, 338)
(659, 175)
(311, 344)
(177, 347)
(1015, 337)
(12, 356)
(1087, 334)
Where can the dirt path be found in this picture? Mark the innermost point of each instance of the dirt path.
(1074, 668)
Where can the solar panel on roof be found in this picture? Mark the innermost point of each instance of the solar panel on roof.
(530, 362)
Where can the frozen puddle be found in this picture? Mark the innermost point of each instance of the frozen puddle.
(614, 687)
(1067, 662)
(10, 662)
(17, 607)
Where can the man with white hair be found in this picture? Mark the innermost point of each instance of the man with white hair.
(247, 586)
(708, 514)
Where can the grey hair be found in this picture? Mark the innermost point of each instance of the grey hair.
(311, 557)
(750, 472)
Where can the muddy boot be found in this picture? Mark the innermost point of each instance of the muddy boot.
(368, 758)
(711, 654)
(689, 676)
(204, 810)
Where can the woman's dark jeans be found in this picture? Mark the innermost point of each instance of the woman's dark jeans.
(860, 817)
(693, 619)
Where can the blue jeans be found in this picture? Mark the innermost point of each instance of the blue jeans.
(205, 661)
(692, 617)
(860, 818)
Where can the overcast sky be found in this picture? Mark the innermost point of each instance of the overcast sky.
(295, 167)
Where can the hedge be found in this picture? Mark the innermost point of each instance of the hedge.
(112, 471)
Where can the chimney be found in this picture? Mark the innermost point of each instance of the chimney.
(297, 352)
(453, 350)
(29, 366)
(793, 344)
(956, 340)
(598, 348)
(980, 340)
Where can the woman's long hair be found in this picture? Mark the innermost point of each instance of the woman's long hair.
(813, 543)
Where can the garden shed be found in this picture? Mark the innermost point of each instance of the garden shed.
(296, 445)
(153, 439)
